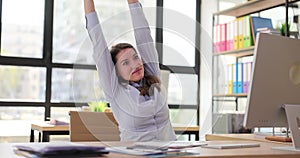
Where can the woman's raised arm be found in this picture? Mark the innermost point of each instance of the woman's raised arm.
(107, 78)
(144, 41)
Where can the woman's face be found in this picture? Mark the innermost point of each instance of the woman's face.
(129, 65)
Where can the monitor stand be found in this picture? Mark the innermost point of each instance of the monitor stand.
(293, 117)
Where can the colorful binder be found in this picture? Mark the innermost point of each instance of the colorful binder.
(234, 78)
(247, 32)
(229, 78)
(239, 78)
(240, 33)
(235, 34)
(246, 77)
(223, 37)
(249, 75)
(230, 35)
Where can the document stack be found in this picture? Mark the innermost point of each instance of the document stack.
(268, 30)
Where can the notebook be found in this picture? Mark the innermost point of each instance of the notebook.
(54, 149)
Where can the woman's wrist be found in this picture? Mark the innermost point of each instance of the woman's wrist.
(89, 6)
(132, 1)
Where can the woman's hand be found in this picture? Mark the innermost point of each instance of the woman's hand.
(132, 1)
(89, 6)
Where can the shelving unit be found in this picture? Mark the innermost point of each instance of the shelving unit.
(231, 95)
(253, 6)
(243, 9)
(238, 53)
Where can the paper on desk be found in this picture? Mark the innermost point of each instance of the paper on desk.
(138, 152)
(57, 122)
(154, 153)
(168, 144)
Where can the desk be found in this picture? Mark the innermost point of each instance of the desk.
(213, 137)
(181, 129)
(241, 137)
(45, 130)
(264, 151)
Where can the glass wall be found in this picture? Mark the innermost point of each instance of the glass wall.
(22, 28)
(178, 20)
(178, 51)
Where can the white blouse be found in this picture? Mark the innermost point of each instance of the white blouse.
(139, 118)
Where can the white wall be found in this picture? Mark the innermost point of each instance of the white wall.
(207, 9)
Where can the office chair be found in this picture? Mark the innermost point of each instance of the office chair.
(93, 126)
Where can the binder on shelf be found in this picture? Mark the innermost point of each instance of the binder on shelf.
(224, 86)
(230, 77)
(259, 22)
(246, 72)
(246, 77)
(237, 81)
(240, 33)
(239, 74)
(234, 78)
(247, 32)
(227, 36)
(235, 35)
(218, 38)
(223, 37)
(230, 36)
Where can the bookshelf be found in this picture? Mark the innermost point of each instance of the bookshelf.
(238, 11)
(237, 53)
(231, 95)
(253, 6)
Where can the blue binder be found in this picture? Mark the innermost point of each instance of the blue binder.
(240, 77)
(234, 78)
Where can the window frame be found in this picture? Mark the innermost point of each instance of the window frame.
(46, 61)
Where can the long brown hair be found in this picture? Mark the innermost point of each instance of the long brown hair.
(150, 81)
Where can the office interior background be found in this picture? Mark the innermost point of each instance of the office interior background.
(46, 66)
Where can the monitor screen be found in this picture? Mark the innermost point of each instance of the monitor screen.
(275, 81)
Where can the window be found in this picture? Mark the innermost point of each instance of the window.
(46, 63)
(16, 122)
(75, 85)
(22, 28)
(18, 83)
(183, 89)
(179, 25)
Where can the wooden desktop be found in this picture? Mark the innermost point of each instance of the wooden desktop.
(264, 151)
(232, 137)
(245, 137)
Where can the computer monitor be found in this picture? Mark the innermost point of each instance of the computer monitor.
(275, 81)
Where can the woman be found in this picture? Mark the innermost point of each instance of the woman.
(131, 85)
